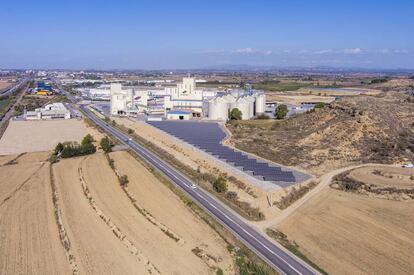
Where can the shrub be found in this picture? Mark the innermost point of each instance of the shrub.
(123, 180)
(220, 185)
(106, 144)
(231, 195)
(235, 114)
(130, 131)
(281, 111)
(319, 105)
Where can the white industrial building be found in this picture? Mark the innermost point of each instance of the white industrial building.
(185, 101)
(249, 103)
(185, 96)
(50, 111)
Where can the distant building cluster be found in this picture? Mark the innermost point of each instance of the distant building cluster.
(42, 88)
(185, 101)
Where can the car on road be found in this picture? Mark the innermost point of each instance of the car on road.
(193, 186)
(408, 165)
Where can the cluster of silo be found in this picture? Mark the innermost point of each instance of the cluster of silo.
(249, 105)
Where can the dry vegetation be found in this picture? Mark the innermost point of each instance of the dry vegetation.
(346, 233)
(351, 131)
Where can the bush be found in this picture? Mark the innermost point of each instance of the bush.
(123, 180)
(281, 111)
(231, 195)
(235, 114)
(220, 185)
(130, 131)
(106, 144)
(319, 105)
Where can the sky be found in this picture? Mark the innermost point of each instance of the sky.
(89, 34)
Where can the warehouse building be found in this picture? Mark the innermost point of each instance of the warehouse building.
(50, 111)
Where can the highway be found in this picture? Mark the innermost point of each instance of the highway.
(281, 260)
(10, 90)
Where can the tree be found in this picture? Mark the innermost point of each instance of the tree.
(281, 111)
(235, 114)
(130, 131)
(58, 148)
(106, 144)
(220, 185)
(88, 139)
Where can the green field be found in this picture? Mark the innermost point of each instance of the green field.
(277, 86)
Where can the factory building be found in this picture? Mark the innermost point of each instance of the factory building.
(121, 100)
(50, 111)
(249, 103)
(185, 101)
(185, 97)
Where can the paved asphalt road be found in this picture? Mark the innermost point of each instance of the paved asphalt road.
(276, 257)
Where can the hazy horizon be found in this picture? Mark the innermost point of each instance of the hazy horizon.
(157, 35)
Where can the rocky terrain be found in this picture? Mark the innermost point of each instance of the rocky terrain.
(351, 130)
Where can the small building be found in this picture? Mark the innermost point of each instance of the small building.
(179, 115)
(50, 111)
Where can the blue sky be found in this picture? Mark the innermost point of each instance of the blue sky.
(195, 34)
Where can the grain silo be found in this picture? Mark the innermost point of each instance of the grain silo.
(243, 104)
(260, 103)
(218, 109)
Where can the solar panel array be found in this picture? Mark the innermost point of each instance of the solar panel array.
(208, 137)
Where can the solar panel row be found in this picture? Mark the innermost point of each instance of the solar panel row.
(208, 137)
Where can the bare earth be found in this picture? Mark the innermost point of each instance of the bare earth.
(36, 136)
(385, 176)
(346, 233)
(4, 84)
(28, 232)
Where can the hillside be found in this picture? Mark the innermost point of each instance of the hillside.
(353, 130)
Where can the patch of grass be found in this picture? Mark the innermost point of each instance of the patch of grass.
(293, 247)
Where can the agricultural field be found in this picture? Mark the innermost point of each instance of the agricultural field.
(73, 216)
(281, 86)
(36, 136)
(29, 236)
(350, 233)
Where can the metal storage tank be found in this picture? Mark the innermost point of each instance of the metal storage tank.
(218, 109)
(251, 100)
(260, 103)
(243, 105)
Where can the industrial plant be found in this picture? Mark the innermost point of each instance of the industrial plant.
(184, 102)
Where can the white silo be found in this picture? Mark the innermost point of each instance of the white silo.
(251, 101)
(218, 109)
(260, 103)
(244, 106)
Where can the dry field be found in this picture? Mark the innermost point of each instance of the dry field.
(36, 136)
(100, 229)
(385, 176)
(4, 84)
(139, 244)
(297, 99)
(346, 233)
(28, 233)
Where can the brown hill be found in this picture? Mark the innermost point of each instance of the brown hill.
(350, 131)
